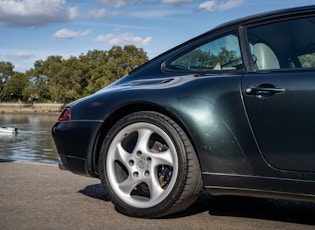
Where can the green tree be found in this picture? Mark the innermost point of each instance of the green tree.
(117, 63)
(15, 86)
(37, 89)
(199, 59)
(93, 63)
(307, 60)
(196, 58)
(44, 77)
(6, 71)
(65, 80)
(226, 56)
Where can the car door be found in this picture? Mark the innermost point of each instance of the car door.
(279, 95)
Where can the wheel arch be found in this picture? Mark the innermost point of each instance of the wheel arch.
(119, 113)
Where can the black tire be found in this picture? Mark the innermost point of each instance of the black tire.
(148, 166)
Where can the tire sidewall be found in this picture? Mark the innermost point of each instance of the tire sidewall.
(170, 130)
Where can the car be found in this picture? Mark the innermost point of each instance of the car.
(230, 111)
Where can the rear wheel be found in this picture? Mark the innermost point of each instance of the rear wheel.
(148, 166)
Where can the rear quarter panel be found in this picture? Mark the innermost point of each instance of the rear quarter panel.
(208, 107)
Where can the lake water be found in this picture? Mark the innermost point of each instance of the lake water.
(34, 141)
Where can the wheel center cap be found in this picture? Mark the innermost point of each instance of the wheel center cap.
(141, 164)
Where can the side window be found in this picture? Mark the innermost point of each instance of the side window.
(307, 60)
(220, 54)
(283, 45)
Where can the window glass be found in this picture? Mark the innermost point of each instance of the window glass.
(307, 60)
(283, 45)
(220, 54)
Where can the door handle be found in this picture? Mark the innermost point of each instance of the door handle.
(263, 91)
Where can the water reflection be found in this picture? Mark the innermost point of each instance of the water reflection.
(34, 141)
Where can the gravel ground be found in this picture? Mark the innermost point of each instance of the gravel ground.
(40, 196)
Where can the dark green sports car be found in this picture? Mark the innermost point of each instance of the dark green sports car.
(231, 111)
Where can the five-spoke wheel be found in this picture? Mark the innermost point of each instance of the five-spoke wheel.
(148, 166)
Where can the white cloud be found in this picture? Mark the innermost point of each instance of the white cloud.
(21, 59)
(116, 3)
(230, 4)
(207, 6)
(24, 60)
(24, 13)
(102, 13)
(176, 2)
(21, 55)
(214, 5)
(124, 39)
(153, 13)
(69, 34)
(121, 3)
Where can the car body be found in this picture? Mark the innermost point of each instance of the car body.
(231, 110)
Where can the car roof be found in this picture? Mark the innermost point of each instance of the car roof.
(266, 16)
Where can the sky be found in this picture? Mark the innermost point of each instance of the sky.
(32, 30)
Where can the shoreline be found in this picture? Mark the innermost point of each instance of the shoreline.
(4, 160)
(31, 108)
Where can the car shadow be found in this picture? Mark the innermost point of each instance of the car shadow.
(250, 207)
(95, 191)
(235, 206)
(267, 209)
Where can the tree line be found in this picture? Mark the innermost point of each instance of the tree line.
(63, 80)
